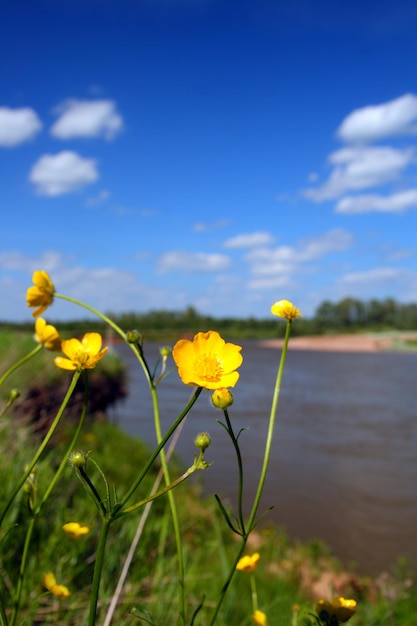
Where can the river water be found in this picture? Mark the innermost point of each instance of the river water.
(344, 461)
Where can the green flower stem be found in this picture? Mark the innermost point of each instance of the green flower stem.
(22, 569)
(173, 508)
(21, 362)
(240, 470)
(38, 509)
(115, 327)
(191, 470)
(91, 490)
(44, 443)
(98, 568)
(71, 446)
(157, 451)
(253, 592)
(267, 453)
(271, 426)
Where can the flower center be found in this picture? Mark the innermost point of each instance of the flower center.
(208, 368)
(82, 357)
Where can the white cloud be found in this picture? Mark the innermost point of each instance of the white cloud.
(283, 261)
(361, 168)
(18, 126)
(394, 203)
(94, 286)
(98, 199)
(250, 240)
(87, 118)
(372, 276)
(202, 227)
(191, 262)
(55, 175)
(272, 282)
(370, 123)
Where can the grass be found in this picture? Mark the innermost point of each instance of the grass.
(284, 577)
(287, 577)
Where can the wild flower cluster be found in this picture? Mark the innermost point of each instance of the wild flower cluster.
(207, 362)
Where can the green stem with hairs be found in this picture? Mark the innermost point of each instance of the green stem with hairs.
(98, 568)
(173, 507)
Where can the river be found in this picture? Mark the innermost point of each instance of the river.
(343, 467)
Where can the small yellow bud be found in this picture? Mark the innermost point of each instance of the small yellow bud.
(14, 394)
(165, 351)
(222, 398)
(78, 459)
(202, 441)
(133, 336)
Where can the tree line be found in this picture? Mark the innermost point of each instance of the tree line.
(346, 315)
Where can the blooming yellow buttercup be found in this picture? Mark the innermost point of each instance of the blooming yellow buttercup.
(41, 294)
(207, 361)
(259, 618)
(60, 591)
(285, 309)
(83, 354)
(47, 335)
(338, 611)
(75, 529)
(248, 563)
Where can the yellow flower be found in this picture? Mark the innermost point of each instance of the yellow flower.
(207, 361)
(60, 591)
(248, 563)
(47, 335)
(337, 611)
(83, 354)
(41, 295)
(286, 309)
(75, 529)
(259, 618)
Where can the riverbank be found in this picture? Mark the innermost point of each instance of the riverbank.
(346, 342)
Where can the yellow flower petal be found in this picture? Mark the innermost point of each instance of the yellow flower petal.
(49, 580)
(248, 563)
(41, 279)
(60, 591)
(65, 364)
(259, 618)
(207, 361)
(84, 354)
(285, 309)
(75, 529)
(47, 335)
(41, 295)
(337, 611)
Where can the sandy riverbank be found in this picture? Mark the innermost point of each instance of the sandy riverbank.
(334, 343)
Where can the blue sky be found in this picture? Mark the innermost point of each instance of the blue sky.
(159, 154)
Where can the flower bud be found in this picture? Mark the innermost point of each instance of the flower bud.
(133, 336)
(202, 441)
(78, 459)
(14, 395)
(165, 351)
(222, 398)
